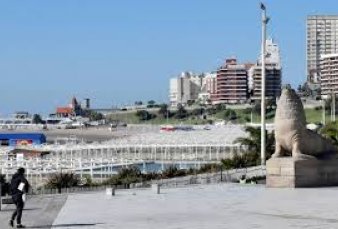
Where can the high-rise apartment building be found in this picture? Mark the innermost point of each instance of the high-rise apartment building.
(322, 38)
(273, 74)
(329, 75)
(185, 88)
(232, 83)
(209, 88)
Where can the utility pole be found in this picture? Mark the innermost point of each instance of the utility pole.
(265, 20)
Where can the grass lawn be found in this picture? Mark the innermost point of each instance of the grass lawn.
(131, 118)
(312, 116)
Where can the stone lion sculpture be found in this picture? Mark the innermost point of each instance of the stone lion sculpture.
(291, 135)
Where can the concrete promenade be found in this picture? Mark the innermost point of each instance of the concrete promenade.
(39, 212)
(217, 206)
(204, 206)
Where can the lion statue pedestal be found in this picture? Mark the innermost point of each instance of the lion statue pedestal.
(302, 158)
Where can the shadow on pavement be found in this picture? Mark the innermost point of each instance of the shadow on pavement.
(65, 225)
(25, 209)
(30, 209)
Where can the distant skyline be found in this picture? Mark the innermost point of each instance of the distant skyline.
(117, 52)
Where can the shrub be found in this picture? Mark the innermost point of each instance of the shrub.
(211, 111)
(173, 171)
(330, 131)
(144, 115)
(197, 111)
(220, 107)
(126, 176)
(209, 168)
(247, 111)
(229, 115)
(62, 180)
(241, 161)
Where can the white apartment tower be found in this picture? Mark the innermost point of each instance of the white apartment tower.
(322, 34)
(329, 75)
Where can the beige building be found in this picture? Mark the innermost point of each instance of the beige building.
(329, 75)
(209, 88)
(322, 39)
(185, 88)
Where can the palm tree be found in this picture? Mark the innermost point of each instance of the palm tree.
(253, 141)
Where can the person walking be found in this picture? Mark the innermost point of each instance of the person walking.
(19, 188)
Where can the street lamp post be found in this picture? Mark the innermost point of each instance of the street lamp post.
(323, 109)
(265, 20)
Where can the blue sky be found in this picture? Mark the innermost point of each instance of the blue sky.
(117, 52)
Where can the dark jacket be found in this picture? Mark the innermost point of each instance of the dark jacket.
(15, 182)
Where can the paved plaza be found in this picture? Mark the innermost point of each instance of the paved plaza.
(39, 212)
(205, 206)
(196, 207)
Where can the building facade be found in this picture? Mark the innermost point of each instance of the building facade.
(273, 78)
(209, 88)
(322, 34)
(232, 83)
(273, 73)
(329, 75)
(185, 88)
(73, 109)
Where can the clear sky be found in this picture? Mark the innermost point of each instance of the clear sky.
(119, 51)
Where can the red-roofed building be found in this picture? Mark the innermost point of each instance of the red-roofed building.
(64, 111)
(73, 109)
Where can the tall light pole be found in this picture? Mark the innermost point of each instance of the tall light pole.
(265, 20)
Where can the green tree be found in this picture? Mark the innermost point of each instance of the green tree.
(37, 119)
(164, 111)
(138, 103)
(181, 112)
(151, 103)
